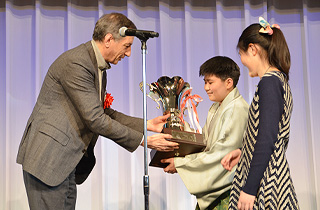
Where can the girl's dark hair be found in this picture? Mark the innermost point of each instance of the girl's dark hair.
(275, 45)
(221, 67)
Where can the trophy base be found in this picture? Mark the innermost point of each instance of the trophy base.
(189, 143)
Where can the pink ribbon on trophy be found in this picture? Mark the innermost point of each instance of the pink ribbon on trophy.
(189, 103)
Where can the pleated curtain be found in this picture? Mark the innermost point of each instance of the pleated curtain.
(33, 33)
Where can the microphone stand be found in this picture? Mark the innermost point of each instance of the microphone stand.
(143, 40)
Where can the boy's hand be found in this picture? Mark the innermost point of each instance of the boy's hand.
(170, 168)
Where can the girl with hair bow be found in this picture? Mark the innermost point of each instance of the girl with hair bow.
(262, 179)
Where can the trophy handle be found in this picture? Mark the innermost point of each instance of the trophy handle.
(154, 96)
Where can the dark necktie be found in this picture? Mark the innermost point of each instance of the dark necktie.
(104, 83)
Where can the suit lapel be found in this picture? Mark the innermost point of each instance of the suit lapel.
(94, 61)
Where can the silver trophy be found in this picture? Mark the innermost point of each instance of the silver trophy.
(168, 93)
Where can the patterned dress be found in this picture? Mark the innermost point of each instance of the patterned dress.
(263, 169)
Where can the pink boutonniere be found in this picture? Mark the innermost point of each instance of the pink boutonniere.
(108, 99)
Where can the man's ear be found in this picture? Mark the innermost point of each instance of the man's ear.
(107, 40)
(229, 83)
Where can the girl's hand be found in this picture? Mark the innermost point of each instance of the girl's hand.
(246, 201)
(231, 159)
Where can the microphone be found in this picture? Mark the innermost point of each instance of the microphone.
(124, 31)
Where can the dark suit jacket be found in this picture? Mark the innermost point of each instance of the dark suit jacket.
(68, 118)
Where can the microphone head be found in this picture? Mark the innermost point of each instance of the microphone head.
(122, 31)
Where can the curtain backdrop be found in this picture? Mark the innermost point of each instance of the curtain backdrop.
(34, 33)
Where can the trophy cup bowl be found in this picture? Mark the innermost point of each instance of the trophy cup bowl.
(170, 92)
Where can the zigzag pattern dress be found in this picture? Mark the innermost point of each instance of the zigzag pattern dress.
(263, 169)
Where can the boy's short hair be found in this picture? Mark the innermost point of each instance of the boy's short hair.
(221, 67)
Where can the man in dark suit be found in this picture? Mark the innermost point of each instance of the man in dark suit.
(56, 150)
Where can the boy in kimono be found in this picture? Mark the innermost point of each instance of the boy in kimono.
(202, 173)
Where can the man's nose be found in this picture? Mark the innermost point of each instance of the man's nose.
(128, 53)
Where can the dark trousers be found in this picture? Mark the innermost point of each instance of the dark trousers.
(45, 197)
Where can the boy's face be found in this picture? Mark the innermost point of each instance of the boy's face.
(217, 89)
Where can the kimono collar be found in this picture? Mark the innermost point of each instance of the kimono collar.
(230, 97)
